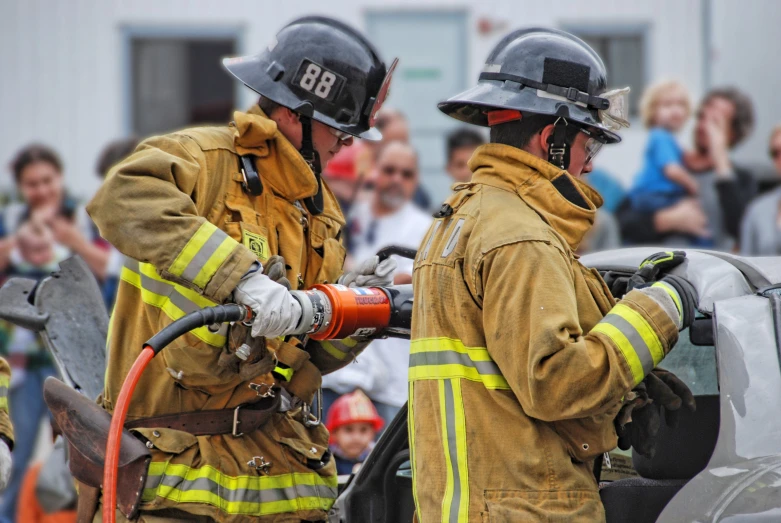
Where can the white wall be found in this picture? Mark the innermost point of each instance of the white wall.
(745, 54)
(62, 68)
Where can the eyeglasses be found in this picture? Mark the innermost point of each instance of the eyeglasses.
(593, 144)
(390, 170)
(341, 135)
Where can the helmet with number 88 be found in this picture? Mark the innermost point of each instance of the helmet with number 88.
(323, 69)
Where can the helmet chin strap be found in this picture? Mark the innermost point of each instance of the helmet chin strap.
(313, 204)
(558, 148)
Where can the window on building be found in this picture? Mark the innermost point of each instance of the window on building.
(178, 82)
(624, 53)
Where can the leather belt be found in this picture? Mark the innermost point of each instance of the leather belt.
(236, 421)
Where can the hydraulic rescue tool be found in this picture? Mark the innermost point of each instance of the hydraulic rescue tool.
(329, 311)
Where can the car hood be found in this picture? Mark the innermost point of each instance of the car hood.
(716, 275)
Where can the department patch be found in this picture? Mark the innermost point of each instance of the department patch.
(256, 243)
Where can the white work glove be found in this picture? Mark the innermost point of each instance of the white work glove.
(6, 464)
(370, 273)
(275, 310)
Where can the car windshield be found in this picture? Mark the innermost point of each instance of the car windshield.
(696, 366)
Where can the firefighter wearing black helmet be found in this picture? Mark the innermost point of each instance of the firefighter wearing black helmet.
(520, 357)
(239, 213)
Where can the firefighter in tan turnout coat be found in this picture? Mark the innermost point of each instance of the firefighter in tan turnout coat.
(202, 216)
(520, 357)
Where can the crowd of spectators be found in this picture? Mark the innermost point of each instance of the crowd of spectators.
(695, 197)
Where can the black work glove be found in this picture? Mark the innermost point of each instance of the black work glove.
(688, 296)
(669, 392)
(654, 266)
(276, 270)
(638, 422)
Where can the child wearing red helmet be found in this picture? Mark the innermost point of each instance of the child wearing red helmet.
(353, 422)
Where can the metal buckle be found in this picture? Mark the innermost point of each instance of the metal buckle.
(236, 423)
(264, 390)
(572, 94)
(309, 419)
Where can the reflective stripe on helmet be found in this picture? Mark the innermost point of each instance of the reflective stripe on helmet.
(635, 339)
(246, 495)
(173, 299)
(203, 254)
(446, 358)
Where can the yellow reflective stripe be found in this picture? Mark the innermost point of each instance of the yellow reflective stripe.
(643, 328)
(669, 257)
(460, 426)
(619, 339)
(285, 373)
(170, 309)
(147, 269)
(673, 294)
(4, 403)
(447, 358)
(333, 349)
(214, 261)
(455, 505)
(444, 372)
(192, 247)
(5, 381)
(240, 494)
(411, 437)
(447, 500)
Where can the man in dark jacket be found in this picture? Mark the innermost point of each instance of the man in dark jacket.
(724, 119)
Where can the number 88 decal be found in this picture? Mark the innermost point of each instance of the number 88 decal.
(316, 80)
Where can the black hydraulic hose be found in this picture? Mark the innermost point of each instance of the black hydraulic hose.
(200, 318)
(404, 252)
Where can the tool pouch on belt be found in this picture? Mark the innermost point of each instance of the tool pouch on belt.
(85, 426)
(306, 377)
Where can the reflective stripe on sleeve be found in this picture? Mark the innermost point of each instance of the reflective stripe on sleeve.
(673, 294)
(635, 339)
(203, 255)
(446, 358)
(339, 349)
(173, 299)
(244, 495)
(5, 383)
(455, 505)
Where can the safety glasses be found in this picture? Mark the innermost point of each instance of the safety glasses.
(341, 135)
(593, 144)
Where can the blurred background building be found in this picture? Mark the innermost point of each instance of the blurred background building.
(77, 74)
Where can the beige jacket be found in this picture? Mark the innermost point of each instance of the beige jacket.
(177, 210)
(520, 357)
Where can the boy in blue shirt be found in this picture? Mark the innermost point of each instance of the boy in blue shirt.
(663, 181)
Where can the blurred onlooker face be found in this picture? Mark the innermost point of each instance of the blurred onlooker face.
(458, 164)
(397, 130)
(714, 109)
(41, 185)
(36, 243)
(353, 438)
(461, 143)
(665, 104)
(775, 149)
(672, 109)
(396, 175)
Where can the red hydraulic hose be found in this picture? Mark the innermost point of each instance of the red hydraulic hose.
(208, 316)
(115, 433)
